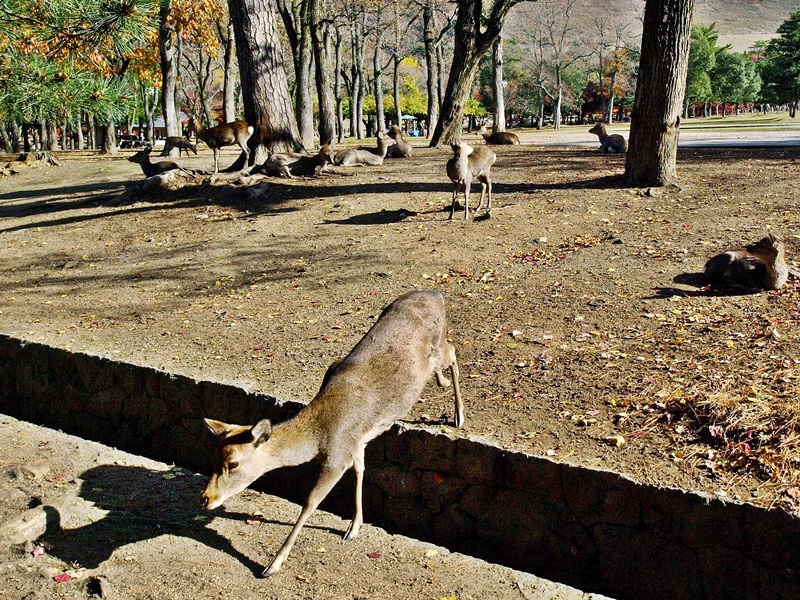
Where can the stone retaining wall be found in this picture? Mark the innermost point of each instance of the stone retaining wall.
(588, 528)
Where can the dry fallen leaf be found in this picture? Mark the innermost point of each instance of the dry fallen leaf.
(615, 440)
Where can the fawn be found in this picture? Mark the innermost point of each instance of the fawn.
(761, 265)
(179, 142)
(143, 159)
(609, 143)
(364, 156)
(470, 163)
(295, 164)
(235, 132)
(401, 148)
(498, 138)
(361, 396)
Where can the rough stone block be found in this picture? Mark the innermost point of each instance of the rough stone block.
(395, 481)
(441, 489)
(477, 500)
(601, 497)
(431, 451)
(452, 526)
(478, 463)
(536, 475)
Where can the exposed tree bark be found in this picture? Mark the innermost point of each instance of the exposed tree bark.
(321, 44)
(110, 139)
(357, 42)
(653, 144)
(377, 79)
(79, 141)
(168, 45)
(431, 65)
(338, 87)
(296, 18)
(15, 136)
(498, 87)
(91, 130)
(229, 66)
(5, 131)
(471, 44)
(265, 91)
(149, 101)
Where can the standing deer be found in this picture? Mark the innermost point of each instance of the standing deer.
(150, 169)
(401, 148)
(758, 266)
(179, 142)
(609, 143)
(364, 156)
(361, 397)
(498, 138)
(467, 164)
(236, 132)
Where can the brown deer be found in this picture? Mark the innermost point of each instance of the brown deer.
(364, 156)
(235, 132)
(468, 164)
(498, 138)
(179, 142)
(758, 266)
(401, 148)
(150, 169)
(295, 164)
(361, 397)
(609, 143)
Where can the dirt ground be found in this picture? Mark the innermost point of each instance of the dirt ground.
(89, 521)
(580, 324)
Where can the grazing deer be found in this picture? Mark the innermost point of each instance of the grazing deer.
(609, 143)
(150, 169)
(364, 156)
(179, 142)
(236, 132)
(467, 164)
(498, 138)
(296, 164)
(401, 148)
(361, 397)
(761, 265)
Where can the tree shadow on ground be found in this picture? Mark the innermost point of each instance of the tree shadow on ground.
(142, 504)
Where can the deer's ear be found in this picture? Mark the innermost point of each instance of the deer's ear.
(217, 427)
(261, 432)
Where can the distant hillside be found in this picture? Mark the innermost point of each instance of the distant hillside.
(740, 22)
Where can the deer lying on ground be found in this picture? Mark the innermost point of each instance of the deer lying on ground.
(401, 148)
(179, 142)
(150, 169)
(361, 397)
(758, 266)
(235, 132)
(468, 164)
(364, 156)
(609, 143)
(498, 138)
(295, 164)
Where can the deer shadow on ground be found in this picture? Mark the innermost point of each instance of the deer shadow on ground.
(141, 504)
(702, 289)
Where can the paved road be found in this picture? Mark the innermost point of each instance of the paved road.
(688, 139)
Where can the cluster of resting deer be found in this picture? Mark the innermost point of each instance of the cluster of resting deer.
(378, 382)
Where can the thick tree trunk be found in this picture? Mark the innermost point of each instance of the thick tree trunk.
(168, 45)
(5, 131)
(110, 139)
(357, 35)
(15, 136)
(296, 20)
(321, 43)
(471, 44)
(653, 144)
(498, 87)
(431, 64)
(267, 102)
(79, 141)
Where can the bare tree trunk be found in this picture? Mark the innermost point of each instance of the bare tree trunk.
(499, 87)
(612, 95)
(431, 65)
(398, 109)
(338, 87)
(265, 91)
(321, 44)
(4, 131)
(377, 79)
(296, 20)
(15, 136)
(660, 88)
(110, 139)
(471, 44)
(229, 83)
(357, 37)
(168, 45)
(52, 136)
(79, 141)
